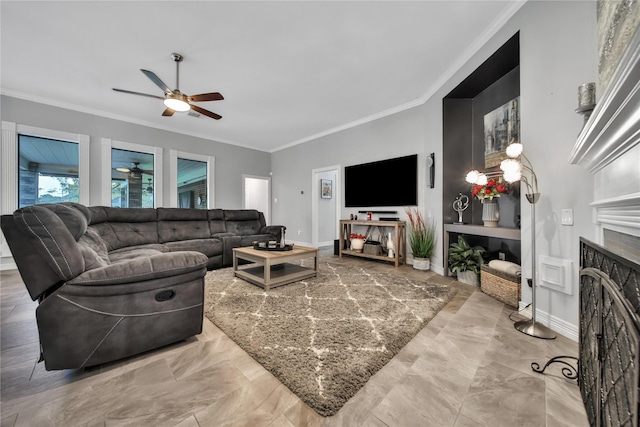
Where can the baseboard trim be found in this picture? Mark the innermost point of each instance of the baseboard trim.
(558, 325)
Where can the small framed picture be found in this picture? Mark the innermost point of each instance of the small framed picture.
(326, 188)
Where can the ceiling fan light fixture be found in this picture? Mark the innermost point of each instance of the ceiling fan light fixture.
(176, 104)
(123, 170)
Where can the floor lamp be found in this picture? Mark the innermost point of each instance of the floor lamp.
(515, 169)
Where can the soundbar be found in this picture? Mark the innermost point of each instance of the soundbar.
(387, 218)
(378, 212)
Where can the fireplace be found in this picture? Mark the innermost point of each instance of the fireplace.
(609, 343)
(609, 299)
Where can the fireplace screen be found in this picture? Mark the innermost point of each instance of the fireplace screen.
(609, 337)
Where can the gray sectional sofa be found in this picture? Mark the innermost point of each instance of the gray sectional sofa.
(115, 282)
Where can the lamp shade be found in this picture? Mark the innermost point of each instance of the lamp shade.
(176, 104)
(514, 150)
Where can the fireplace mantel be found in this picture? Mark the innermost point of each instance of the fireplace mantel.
(614, 126)
(609, 147)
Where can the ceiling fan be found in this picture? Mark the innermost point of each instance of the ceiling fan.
(175, 100)
(134, 171)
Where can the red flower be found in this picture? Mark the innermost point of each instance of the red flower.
(493, 188)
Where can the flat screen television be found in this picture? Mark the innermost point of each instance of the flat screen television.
(391, 182)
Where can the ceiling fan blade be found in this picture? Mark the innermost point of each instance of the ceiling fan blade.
(214, 96)
(138, 93)
(168, 112)
(162, 85)
(206, 112)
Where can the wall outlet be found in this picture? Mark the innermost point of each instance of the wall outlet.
(567, 216)
(501, 256)
(299, 232)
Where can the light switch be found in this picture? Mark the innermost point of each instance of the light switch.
(567, 216)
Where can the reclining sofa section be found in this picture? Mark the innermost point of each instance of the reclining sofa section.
(115, 282)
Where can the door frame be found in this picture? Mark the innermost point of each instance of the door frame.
(315, 194)
(267, 215)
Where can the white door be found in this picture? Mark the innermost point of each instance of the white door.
(257, 194)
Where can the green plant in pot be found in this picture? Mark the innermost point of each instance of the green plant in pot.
(465, 261)
(422, 239)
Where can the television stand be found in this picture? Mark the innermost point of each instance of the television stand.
(383, 227)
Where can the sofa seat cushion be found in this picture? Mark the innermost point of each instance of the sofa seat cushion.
(209, 247)
(125, 254)
(137, 270)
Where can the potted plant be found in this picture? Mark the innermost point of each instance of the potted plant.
(422, 239)
(357, 241)
(465, 261)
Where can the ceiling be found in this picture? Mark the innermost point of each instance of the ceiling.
(289, 71)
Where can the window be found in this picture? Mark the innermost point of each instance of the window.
(47, 171)
(191, 179)
(132, 179)
(192, 184)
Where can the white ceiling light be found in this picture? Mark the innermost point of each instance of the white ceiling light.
(177, 102)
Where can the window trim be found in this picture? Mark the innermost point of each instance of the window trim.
(10, 133)
(174, 155)
(108, 144)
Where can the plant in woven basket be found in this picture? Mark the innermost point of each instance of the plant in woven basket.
(463, 257)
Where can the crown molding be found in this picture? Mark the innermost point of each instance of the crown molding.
(82, 109)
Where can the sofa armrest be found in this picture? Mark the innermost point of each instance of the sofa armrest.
(143, 268)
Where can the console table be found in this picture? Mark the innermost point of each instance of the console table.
(383, 227)
(476, 230)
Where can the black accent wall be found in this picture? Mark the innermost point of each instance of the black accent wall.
(491, 85)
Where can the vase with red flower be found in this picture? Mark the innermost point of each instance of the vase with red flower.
(488, 193)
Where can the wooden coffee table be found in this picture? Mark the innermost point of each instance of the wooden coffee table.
(274, 267)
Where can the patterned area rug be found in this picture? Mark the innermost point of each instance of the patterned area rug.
(326, 336)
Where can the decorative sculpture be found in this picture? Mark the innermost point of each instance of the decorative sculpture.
(460, 204)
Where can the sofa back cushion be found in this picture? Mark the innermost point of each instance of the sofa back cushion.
(52, 238)
(182, 224)
(122, 227)
(217, 224)
(243, 222)
(94, 250)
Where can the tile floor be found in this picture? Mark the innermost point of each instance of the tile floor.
(467, 367)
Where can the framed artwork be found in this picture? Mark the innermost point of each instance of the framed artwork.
(326, 188)
(501, 128)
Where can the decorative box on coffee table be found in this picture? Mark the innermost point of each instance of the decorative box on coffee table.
(502, 286)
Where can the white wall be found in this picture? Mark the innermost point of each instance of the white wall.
(557, 53)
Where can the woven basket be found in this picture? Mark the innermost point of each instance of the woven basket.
(372, 249)
(501, 286)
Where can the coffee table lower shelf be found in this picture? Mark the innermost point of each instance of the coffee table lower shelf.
(273, 268)
(280, 274)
